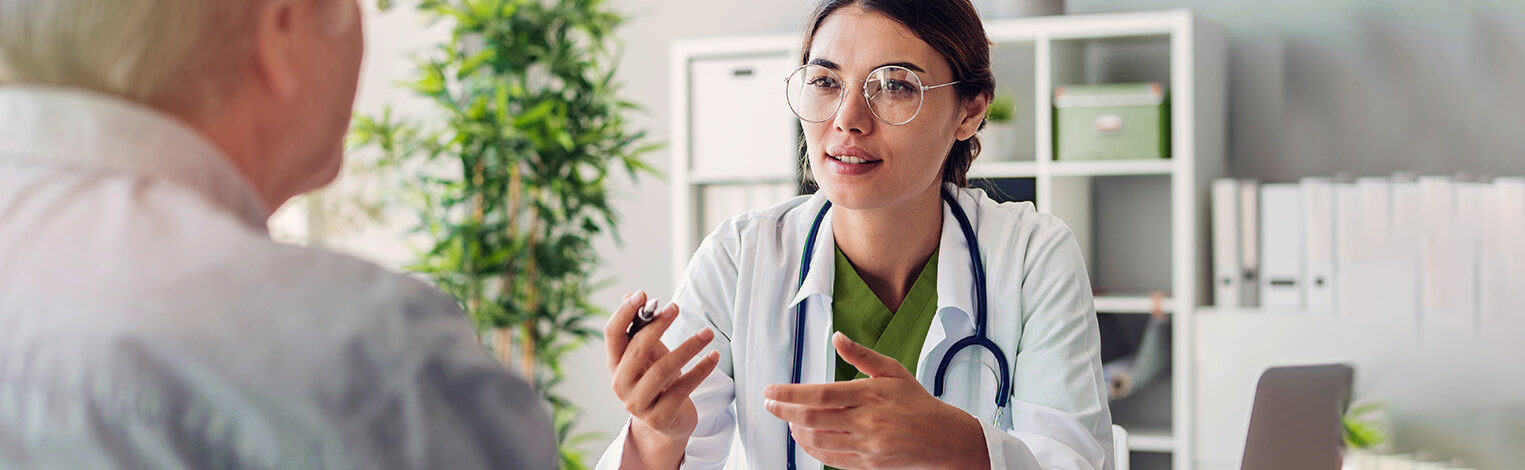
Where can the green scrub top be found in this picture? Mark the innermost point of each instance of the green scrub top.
(859, 314)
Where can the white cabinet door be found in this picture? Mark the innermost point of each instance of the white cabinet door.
(741, 124)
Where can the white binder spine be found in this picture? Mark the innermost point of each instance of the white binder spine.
(1406, 223)
(1249, 246)
(1504, 255)
(1319, 245)
(1472, 202)
(1388, 283)
(1227, 270)
(1348, 247)
(1281, 227)
(1447, 250)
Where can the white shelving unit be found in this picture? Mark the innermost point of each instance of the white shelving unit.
(1032, 56)
(1123, 304)
(1151, 440)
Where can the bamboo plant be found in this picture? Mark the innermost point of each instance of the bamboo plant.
(510, 174)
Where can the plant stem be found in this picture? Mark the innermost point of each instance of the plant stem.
(502, 342)
(529, 351)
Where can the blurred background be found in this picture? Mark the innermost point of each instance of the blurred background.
(1388, 107)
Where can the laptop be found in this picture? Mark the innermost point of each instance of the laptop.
(1295, 421)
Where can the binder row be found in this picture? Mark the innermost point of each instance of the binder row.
(1431, 247)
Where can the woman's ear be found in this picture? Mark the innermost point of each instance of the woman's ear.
(973, 117)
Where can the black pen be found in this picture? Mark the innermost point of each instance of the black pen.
(643, 317)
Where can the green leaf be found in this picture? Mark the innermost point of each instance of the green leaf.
(1363, 410)
(1358, 434)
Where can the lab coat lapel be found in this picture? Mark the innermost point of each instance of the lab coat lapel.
(819, 356)
(955, 304)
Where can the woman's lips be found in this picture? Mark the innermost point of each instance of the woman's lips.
(849, 160)
(840, 151)
(851, 165)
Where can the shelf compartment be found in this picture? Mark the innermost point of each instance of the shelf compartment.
(1147, 415)
(1116, 59)
(1007, 189)
(1013, 64)
(1131, 233)
(1123, 226)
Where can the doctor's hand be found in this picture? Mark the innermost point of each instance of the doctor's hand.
(649, 380)
(885, 421)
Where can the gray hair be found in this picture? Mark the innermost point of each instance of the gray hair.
(172, 54)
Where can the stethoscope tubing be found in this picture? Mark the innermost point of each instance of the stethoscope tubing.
(979, 339)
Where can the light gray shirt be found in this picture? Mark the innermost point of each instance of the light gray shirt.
(148, 321)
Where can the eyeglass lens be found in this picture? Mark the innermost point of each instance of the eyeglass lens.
(893, 93)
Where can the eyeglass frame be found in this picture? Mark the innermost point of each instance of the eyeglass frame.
(842, 98)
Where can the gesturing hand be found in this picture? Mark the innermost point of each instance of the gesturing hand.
(649, 379)
(885, 421)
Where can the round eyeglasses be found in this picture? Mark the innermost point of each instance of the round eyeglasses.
(893, 93)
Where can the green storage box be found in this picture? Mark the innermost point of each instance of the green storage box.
(1111, 122)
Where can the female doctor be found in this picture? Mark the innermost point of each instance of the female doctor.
(895, 319)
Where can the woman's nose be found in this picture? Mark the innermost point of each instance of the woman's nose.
(855, 115)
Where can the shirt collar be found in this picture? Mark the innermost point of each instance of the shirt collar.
(55, 126)
(955, 278)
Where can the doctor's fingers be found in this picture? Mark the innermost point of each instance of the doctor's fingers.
(830, 441)
(833, 458)
(615, 340)
(828, 395)
(641, 385)
(669, 401)
(825, 419)
(643, 346)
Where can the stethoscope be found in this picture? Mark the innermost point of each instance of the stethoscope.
(979, 339)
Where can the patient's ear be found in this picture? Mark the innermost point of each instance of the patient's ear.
(277, 34)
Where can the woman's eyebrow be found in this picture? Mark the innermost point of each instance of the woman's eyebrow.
(825, 63)
(907, 65)
(833, 65)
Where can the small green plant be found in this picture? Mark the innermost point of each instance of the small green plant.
(509, 175)
(1361, 434)
(1002, 109)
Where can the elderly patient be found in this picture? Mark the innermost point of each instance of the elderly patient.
(146, 318)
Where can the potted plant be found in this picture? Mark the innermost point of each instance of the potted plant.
(1361, 432)
(1361, 436)
(997, 139)
(509, 177)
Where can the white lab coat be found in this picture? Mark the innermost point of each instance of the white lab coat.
(742, 283)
